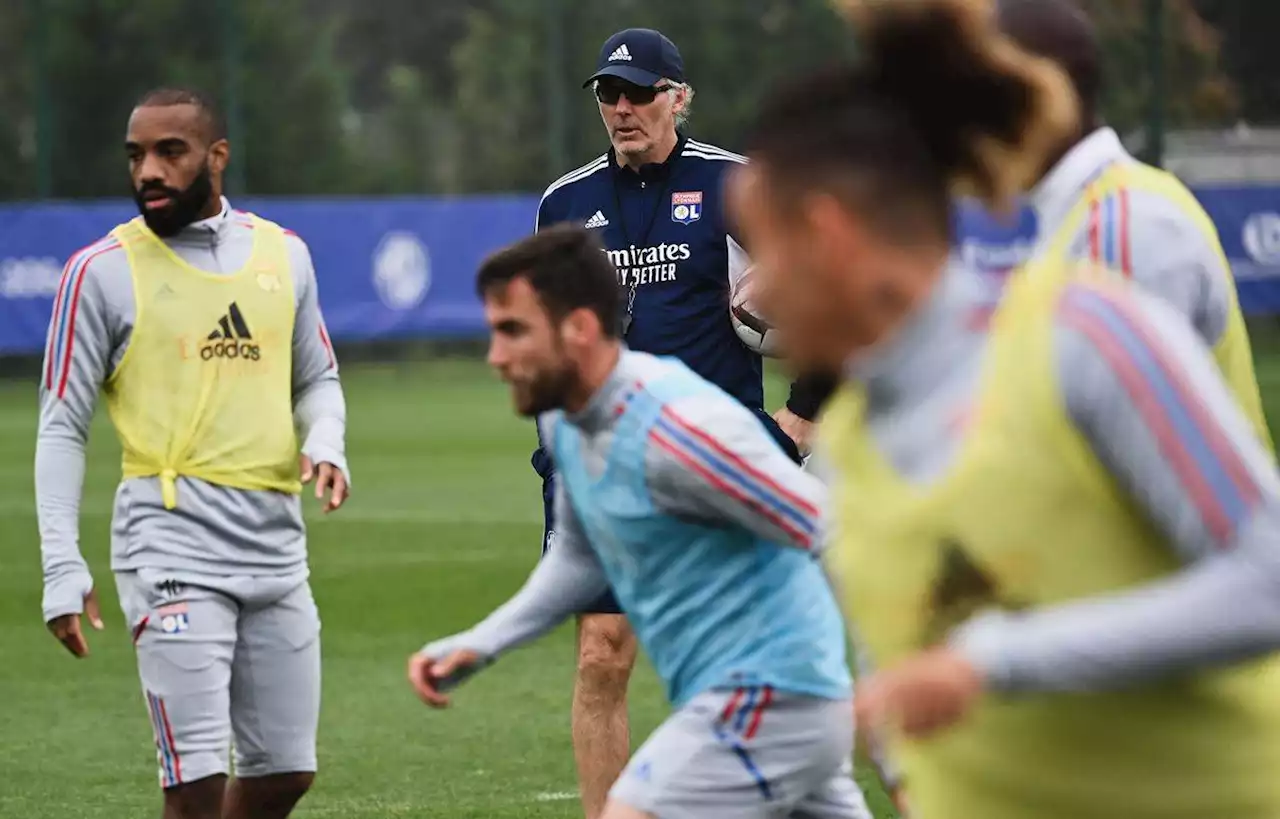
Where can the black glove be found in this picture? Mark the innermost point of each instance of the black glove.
(809, 392)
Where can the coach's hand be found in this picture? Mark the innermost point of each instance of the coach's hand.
(924, 694)
(431, 677)
(797, 429)
(67, 627)
(327, 477)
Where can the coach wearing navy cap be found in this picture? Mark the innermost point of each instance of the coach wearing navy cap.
(656, 198)
(641, 56)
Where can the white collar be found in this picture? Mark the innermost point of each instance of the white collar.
(1054, 196)
(214, 222)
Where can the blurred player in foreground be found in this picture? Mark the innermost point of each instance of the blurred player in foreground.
(202, 327)
(1057, 530)
(672, 492)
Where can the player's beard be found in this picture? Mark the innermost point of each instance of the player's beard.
(185, 205)
(547, 391)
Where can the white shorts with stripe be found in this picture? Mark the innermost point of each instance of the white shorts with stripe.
(748, 753)
(223, 659)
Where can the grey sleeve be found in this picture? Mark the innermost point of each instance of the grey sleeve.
(78, 355)
(710, 459)
(319, 406)
(1181, 263)
(564, 582)
(1144, 392)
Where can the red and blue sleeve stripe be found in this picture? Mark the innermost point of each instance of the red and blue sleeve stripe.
(62, 330)
(245, 219)
(1109, 242)
(328, 345)
(1206, 463)
(731, 474)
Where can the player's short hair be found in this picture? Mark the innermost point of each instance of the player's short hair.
(566, 266)
(939, 104)
(1059, 30)
(214, 122)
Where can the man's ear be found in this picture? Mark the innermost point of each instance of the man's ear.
(680, 100)
(827, 222)
(580, 327)
(219, 156)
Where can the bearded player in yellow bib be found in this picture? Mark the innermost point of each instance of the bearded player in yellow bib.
(201, 326)
(1057, 534)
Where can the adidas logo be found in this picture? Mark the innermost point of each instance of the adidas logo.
(231, 325)
(597, 221)
(230, 339)
(620, 53)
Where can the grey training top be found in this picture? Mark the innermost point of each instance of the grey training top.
(216, 530)
(1147, 397)
(1139, 231)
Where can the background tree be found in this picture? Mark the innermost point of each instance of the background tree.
(101, 56)
(1248, 52)
(1199, 91)
(461, 96)
(17, 89)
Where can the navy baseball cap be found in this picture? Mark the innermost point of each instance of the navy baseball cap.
(641, 56)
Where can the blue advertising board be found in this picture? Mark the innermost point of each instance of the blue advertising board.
(403, 268)
(1247, 219)
(387, 268)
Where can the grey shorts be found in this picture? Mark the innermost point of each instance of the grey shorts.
(223, 659)
(748, 753)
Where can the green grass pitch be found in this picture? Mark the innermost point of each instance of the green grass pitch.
(444, 524)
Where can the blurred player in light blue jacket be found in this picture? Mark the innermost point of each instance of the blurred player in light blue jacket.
(674, 494)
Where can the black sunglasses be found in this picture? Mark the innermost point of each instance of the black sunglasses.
(610, 92)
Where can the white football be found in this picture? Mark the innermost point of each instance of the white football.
(752, 328)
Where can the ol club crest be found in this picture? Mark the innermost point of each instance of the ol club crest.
(686, 207)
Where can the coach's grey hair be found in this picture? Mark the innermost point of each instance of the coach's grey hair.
(682, 116)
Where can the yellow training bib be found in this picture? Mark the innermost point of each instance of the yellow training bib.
(1027, 517)
(1232, 351)
(205, 386)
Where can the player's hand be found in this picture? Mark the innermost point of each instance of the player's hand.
(926, 693)
(67, 627)
(426, 674)
(327, 477)
(899, 797)
(797, 429)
